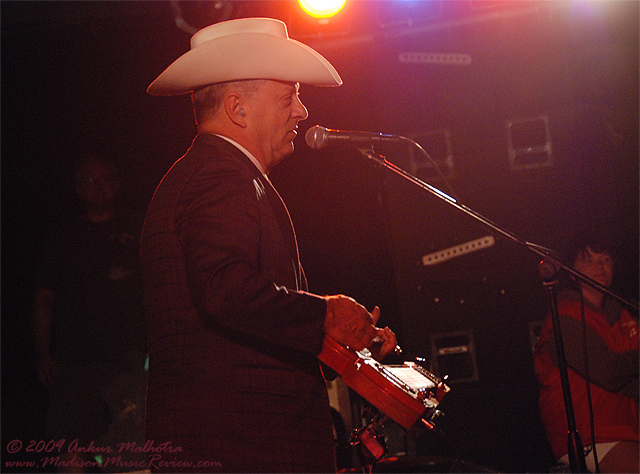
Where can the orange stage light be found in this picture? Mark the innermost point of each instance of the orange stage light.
(321, 8)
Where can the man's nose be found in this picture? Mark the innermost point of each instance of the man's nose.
(300, 111)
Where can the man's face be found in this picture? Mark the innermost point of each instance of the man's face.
(597, 266)
(273, 115)
(97, 185)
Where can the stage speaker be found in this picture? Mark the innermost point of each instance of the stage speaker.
(454, 356)
(529, 143)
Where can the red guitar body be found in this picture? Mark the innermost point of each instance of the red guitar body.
(409, 401)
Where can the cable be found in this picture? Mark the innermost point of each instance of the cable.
(438, 170)
(588, 381)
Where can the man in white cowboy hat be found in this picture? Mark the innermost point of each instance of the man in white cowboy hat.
(234, 381)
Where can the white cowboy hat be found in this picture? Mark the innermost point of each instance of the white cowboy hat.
(248, 48)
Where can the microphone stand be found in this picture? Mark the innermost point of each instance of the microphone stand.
(548, 269)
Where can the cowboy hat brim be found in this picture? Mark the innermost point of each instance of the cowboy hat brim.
(245, 56)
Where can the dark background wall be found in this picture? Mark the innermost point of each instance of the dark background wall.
(74, 76)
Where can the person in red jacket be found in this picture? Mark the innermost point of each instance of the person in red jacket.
(612, 346)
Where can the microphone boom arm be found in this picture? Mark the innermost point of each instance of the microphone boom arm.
(546, 254)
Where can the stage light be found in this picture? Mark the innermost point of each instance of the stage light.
(321, 8)
(320, 19)
(407, 12)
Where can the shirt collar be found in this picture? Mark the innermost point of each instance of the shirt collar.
(246, 152)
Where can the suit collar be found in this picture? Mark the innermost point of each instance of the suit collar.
(249, 155)
(227, 145)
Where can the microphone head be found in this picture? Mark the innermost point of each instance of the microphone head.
(316, 137)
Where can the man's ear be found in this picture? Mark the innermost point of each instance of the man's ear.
(233, 109)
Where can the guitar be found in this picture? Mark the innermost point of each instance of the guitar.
(407, 393)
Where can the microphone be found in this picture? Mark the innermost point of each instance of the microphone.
(318, 137)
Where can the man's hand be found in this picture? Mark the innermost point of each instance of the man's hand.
(384, 344)
(349, 323)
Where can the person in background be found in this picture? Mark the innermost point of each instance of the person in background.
(234, 379)
(89, 321)
(612, 349)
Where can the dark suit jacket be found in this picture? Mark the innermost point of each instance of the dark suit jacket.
(233, 376)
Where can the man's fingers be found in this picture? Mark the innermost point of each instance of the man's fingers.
(375, 315)
(372, 333)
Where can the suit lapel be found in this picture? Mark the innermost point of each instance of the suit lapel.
(264, 188)
(286, 225)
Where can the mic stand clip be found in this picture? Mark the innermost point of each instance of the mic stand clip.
(372, 155)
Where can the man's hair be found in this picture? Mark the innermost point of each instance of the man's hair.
(209, 99)
(597, 240)
(84, 159)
